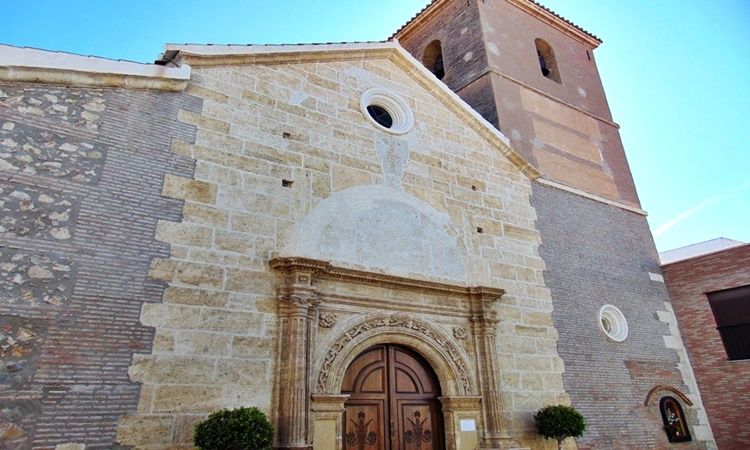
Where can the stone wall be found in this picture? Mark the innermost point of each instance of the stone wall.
(81, 173)
(273, 142)
(598, 254)
(724, 385)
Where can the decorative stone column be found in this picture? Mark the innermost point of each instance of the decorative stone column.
(484, 320)
(297, 302)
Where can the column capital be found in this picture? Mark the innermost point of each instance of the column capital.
(297, 304)
(484, 303)
(329, 403)
(462, 403)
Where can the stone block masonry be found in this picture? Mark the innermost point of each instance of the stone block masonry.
(216, 331)
(81, 175)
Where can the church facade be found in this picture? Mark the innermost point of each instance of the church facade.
(408, 244)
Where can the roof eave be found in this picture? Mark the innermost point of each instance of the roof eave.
(555, 20)
(530, 6)
(22, 64)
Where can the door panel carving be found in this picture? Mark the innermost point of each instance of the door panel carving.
(393, 403)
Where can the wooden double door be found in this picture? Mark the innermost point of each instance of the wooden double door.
(393, 403)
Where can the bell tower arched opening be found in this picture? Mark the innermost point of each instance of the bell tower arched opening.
(433, 59)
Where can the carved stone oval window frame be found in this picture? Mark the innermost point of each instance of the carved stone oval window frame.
(402, 115)
(613, 323)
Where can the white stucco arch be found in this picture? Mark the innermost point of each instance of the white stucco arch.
(383, 229)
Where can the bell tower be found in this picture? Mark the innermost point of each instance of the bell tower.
(532, 74)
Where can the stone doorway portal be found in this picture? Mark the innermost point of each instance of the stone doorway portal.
(393, 402)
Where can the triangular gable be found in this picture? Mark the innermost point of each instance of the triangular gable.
(219, 55)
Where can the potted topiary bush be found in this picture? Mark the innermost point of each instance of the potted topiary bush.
(559, 422)
(235, 429)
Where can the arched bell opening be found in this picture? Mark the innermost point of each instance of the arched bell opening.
(547, 61)
(392, 401)
(432, 58)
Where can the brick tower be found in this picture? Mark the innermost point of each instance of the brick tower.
(532, 74)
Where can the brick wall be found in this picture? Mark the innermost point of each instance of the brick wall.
(459, 31)
(597, 254)
(81, 173)
(724, 385)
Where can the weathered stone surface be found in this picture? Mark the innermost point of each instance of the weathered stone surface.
(184, 234)
(36, 151)
(230, 321)
(77, 107)
(202, 343)
(176, 369)
(201, 275)
(70, 446)
(17, 420)
(34, 279)
(252, 374)
(205, 215)
(234, 242)
(253, 347)
(20, 344)
(151, 429)
(196, 297)
(162, 269)
(170, 316)
(249, 281)
(187, 189)
(184, 428)
(187, 399)
(28, 211)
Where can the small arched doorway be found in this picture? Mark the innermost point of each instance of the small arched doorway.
(393, 402)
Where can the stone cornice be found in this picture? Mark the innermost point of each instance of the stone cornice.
(222, 55)
(326, 270)
(556, 21)
(41, 66)
(413, 24)
(219, 55)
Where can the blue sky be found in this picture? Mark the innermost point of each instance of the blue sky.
(676, 75)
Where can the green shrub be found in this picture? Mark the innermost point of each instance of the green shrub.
(559, 422)
(235, 429)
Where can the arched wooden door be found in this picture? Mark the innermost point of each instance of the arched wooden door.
(394, 402)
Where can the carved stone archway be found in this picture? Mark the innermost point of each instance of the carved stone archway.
(311, 363)
(448, 360)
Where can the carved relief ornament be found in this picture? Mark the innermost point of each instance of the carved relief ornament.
(429, 333)
(327, 320)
